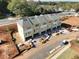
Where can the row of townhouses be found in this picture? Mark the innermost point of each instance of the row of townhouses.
(37, 24)
(29, 26)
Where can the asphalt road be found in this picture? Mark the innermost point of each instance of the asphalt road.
(44, 52)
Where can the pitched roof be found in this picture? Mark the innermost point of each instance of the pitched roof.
(54, 16)
(34, 20)
(26, 24)
(48, 18)
(42, 19)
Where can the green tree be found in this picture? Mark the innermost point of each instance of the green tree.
(3, 8)
(33, 6)
(20, 7)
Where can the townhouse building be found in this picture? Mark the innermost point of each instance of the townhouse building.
(29, 26)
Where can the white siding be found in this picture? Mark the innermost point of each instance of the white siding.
(20, 29)
(27, 27)
(43, 22)
(35, 24)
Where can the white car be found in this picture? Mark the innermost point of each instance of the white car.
(64, 31)
(46, 36)
(65, 42)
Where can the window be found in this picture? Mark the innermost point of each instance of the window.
(34, 30)
(32, 18)
(28, 27)
(29, 32)
(44, 23)
(37, 25)
(55, 21)
(50, 21)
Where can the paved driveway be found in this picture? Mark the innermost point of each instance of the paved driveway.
(44, 52)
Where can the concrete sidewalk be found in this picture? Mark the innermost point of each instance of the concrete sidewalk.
(61, 51)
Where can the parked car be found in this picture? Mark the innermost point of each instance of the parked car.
(47, 36)
(65, 42)
(64, 31)
(44, 38)
(49, 33)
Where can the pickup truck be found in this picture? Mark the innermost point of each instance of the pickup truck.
(23, 46)
(44, 38)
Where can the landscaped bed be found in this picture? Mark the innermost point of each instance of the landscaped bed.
(69, 54)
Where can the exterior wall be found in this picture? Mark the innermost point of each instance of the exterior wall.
(49, 25)
(43, 28)
(28, 32)
(54, 24)
(56, 21)
(59, 22)
(35, 24)
(27, 27)
(36, 30)
(20, 29)
(49, 21)
(38, 27)
(43, 23)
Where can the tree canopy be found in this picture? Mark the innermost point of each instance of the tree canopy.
(20, 7)
(31, 8)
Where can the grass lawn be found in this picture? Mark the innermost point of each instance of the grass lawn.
(68, 54)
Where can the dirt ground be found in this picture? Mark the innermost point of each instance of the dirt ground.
(73, 21)
(75, 47)
(8, 48)
(8, 27)
(18, 38)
